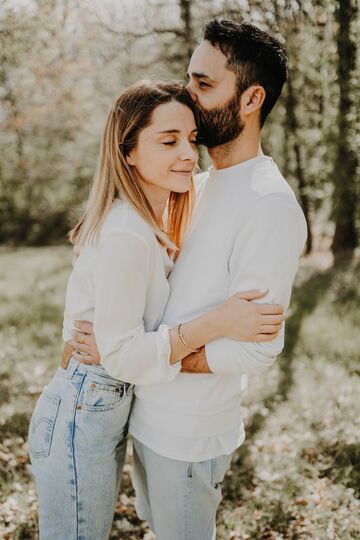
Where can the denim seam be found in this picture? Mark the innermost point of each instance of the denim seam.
(55, 400)
(188, 503)
(73, 456)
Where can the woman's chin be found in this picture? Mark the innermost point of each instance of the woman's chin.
(182, 186)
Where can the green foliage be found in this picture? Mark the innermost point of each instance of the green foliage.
(54, 96)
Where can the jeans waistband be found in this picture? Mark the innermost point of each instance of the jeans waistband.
(79, 367)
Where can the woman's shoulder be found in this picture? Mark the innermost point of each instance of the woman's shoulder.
(122, 218)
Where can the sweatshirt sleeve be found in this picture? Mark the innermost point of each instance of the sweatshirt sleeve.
(265, 256)
(121, 281)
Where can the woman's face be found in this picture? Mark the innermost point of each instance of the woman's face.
(165, 155)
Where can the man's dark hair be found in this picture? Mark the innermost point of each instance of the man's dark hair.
(254, 56)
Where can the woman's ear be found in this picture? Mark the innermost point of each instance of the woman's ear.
(130, 160)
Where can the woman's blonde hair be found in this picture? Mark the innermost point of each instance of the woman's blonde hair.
(132, 112)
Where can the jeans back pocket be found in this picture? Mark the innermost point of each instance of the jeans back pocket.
(42, 424)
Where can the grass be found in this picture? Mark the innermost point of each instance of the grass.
(296, 476)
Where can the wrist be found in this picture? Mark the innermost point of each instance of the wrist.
(215, 324)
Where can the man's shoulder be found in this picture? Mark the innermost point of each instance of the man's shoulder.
(274, 199)
(267, 180)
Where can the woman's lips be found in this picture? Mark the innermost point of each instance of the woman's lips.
(183, 173)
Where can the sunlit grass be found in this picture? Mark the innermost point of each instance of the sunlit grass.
(298, 473)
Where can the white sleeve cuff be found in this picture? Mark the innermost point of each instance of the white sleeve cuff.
(163, 344)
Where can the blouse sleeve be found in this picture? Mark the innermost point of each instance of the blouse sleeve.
(121, 281)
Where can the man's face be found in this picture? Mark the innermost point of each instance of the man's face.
(213, 89)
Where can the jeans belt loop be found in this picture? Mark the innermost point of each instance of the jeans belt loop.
(65, 359)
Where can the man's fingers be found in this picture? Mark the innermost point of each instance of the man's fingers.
(84, 326)
(271, 309)
(254, 294)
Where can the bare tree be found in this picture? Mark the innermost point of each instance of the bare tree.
(346, 163)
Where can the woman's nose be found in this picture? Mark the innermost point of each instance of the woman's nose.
(189, 152)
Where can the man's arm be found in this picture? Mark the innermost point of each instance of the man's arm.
(265, 255)
(195, 363)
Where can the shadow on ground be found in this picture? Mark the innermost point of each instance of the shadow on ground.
(305, 299)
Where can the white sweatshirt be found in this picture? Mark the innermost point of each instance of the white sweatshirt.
(121, 286)
(248, 232)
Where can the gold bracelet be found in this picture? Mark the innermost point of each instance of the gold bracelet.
(181, 337)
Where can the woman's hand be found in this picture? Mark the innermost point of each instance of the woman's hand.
(244, 320)
(84, 343)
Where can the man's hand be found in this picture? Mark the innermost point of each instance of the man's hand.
(84, 343)
(195, 363)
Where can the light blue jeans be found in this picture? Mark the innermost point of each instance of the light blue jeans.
(77, 442)
(178, 499)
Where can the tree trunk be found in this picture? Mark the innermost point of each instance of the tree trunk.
(186, 19)
(292, 126)
(346, 161)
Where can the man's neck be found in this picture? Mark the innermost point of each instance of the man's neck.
(242, 149)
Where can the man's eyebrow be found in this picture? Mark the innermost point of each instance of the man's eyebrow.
(198, 75)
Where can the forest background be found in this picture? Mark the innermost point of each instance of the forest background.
(62, 62)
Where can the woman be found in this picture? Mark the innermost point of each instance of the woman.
(77, 435)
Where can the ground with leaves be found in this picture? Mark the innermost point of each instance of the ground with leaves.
(298, 473)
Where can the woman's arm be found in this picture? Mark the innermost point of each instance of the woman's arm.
(121, 281)
(236, 318)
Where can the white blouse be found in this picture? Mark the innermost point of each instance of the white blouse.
(120, 284)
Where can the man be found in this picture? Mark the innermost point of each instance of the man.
(247, 232)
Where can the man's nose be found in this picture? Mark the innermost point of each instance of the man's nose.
(191, 92)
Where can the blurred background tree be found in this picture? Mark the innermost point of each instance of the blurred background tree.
(63, 61)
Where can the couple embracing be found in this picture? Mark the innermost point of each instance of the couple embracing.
(179, 290)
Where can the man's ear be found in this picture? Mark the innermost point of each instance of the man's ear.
(252, 99)
(130, 160)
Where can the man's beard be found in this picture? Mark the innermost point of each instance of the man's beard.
(220, 125)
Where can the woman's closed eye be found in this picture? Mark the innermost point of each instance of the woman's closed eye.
(168, 143)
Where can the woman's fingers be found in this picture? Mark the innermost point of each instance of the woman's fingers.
(270, 328)
(261, 338)
(272, 319)
(82, 347)
(254, 294)
(84, 326)
(79, 336)
(85, 358)
(270, 309)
